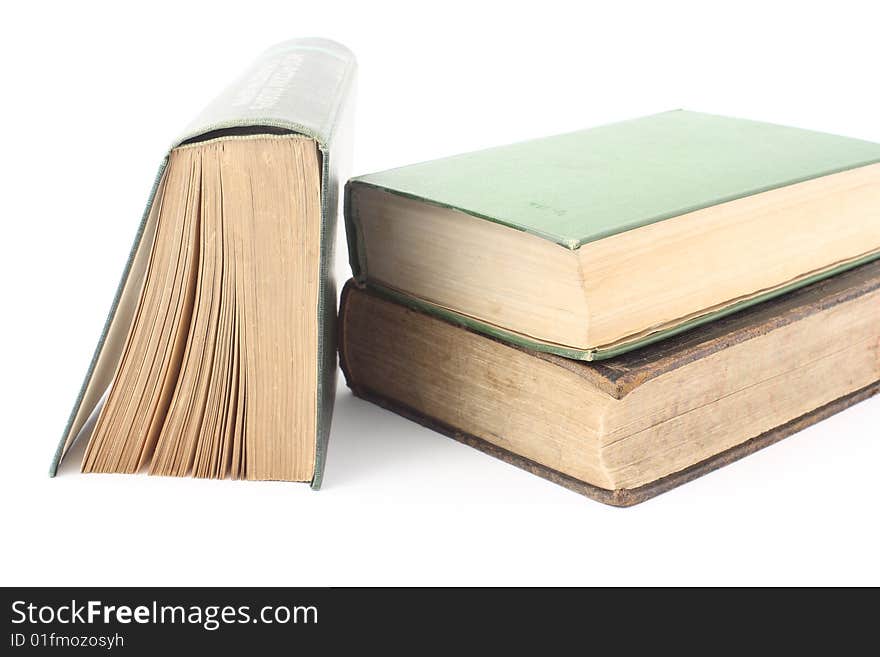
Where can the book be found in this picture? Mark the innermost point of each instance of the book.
(593, 243)
(624, 429)
(218, 357)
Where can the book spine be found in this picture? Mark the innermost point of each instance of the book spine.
(302, 86)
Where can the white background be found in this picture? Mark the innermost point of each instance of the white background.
(91, 97)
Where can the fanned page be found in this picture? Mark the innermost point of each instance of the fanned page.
(218, 376)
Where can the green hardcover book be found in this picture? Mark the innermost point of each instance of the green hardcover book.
(218, 357)
(597, 242)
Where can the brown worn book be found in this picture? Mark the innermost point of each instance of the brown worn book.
(630, 427)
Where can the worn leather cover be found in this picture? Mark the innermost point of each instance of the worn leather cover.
(620, 376)
(303, 86)
(576, 188)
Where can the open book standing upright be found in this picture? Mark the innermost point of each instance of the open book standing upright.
(218, 358)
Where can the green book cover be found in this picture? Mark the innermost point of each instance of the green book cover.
(302, 86)
(581, 187)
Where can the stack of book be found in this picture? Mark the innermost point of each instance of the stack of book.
(620, 309)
